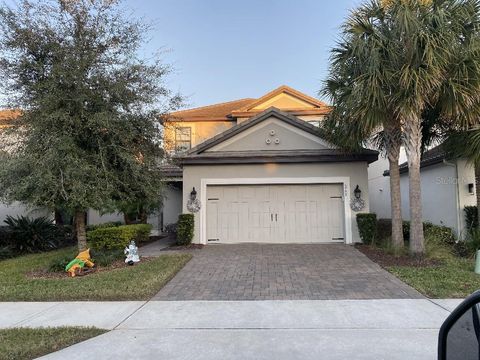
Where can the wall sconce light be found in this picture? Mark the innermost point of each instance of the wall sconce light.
(193, 194)
(357, 192)
(470, 189)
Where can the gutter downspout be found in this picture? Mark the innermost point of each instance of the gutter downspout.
(457, 196)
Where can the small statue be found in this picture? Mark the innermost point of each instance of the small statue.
(132, 253)
(77, 265)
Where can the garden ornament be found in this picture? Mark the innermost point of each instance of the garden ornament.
(132, 253)
(76, 266)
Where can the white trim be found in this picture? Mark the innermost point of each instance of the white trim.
(345, 181)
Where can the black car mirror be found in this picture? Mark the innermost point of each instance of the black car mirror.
(459, 337)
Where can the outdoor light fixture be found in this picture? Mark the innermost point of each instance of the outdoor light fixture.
(470, 189)
(193, 194)
(357, 192)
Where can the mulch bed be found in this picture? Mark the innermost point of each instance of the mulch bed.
(385, 260)
(118, 264)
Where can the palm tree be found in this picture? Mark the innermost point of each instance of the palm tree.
(395, 59)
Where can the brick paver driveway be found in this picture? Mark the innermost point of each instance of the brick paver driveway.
(281, 272)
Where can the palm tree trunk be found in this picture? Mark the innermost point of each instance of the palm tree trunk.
(396, 207)
(393, 145)
(80, 230)
(413, 142)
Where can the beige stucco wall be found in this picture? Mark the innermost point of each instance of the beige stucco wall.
(271, 134)
(355, 171)
(201, 131)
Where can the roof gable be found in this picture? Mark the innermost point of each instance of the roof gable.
(272, 134)
(259, 129)
(284, 98)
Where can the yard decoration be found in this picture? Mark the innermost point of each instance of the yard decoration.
(75, 267)
(132, 253)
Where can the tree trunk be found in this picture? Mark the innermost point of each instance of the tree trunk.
(58, 217)
(396, 207)
(143, 216)
(413, 142)
(393, 145)
(126, 219)
(80, 230)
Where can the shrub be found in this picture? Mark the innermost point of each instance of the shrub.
(471, 217)
(104, 225)
(33, 235)
(117, 238)
(59, 264)
(473, 241)
(185, 226)
(106, 257)
(367, 227)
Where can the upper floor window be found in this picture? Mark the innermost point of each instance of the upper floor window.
(183, 139)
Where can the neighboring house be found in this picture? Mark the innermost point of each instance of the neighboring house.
(7, 117)
(262, 172)
(447, 187)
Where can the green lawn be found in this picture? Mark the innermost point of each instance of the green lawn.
(455, 278)
(22, 343)
(139, 282)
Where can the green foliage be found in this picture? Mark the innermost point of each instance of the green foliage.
(26, 343)
(106, 257)
(33, 235)
(139, 282)
(185, 228)
(104, 225)
(59, 263)
(472, 241)
(367, 227)
(89, 134)
(471, 217)
(117, 238)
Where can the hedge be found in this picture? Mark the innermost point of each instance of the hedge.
(367, 227)
(471, 217)
(117, 238)
(185, 226)
(104, 225)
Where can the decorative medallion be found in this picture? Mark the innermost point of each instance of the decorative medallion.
(357, 204)
(194, 205)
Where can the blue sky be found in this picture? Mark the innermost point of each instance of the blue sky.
(225, 50)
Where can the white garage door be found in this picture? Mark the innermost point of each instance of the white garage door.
(275, 213)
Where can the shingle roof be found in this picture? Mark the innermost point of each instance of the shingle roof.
(430, 157)
(198, 154)
(7, 117)
(213, 112)
(277, 156)
(171, 171)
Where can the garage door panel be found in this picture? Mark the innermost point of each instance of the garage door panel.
(275, 213)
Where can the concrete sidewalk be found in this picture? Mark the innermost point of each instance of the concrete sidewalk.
(318, 329)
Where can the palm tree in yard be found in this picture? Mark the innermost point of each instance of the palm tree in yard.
(395, 60)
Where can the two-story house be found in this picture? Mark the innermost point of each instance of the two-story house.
(260, 172)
